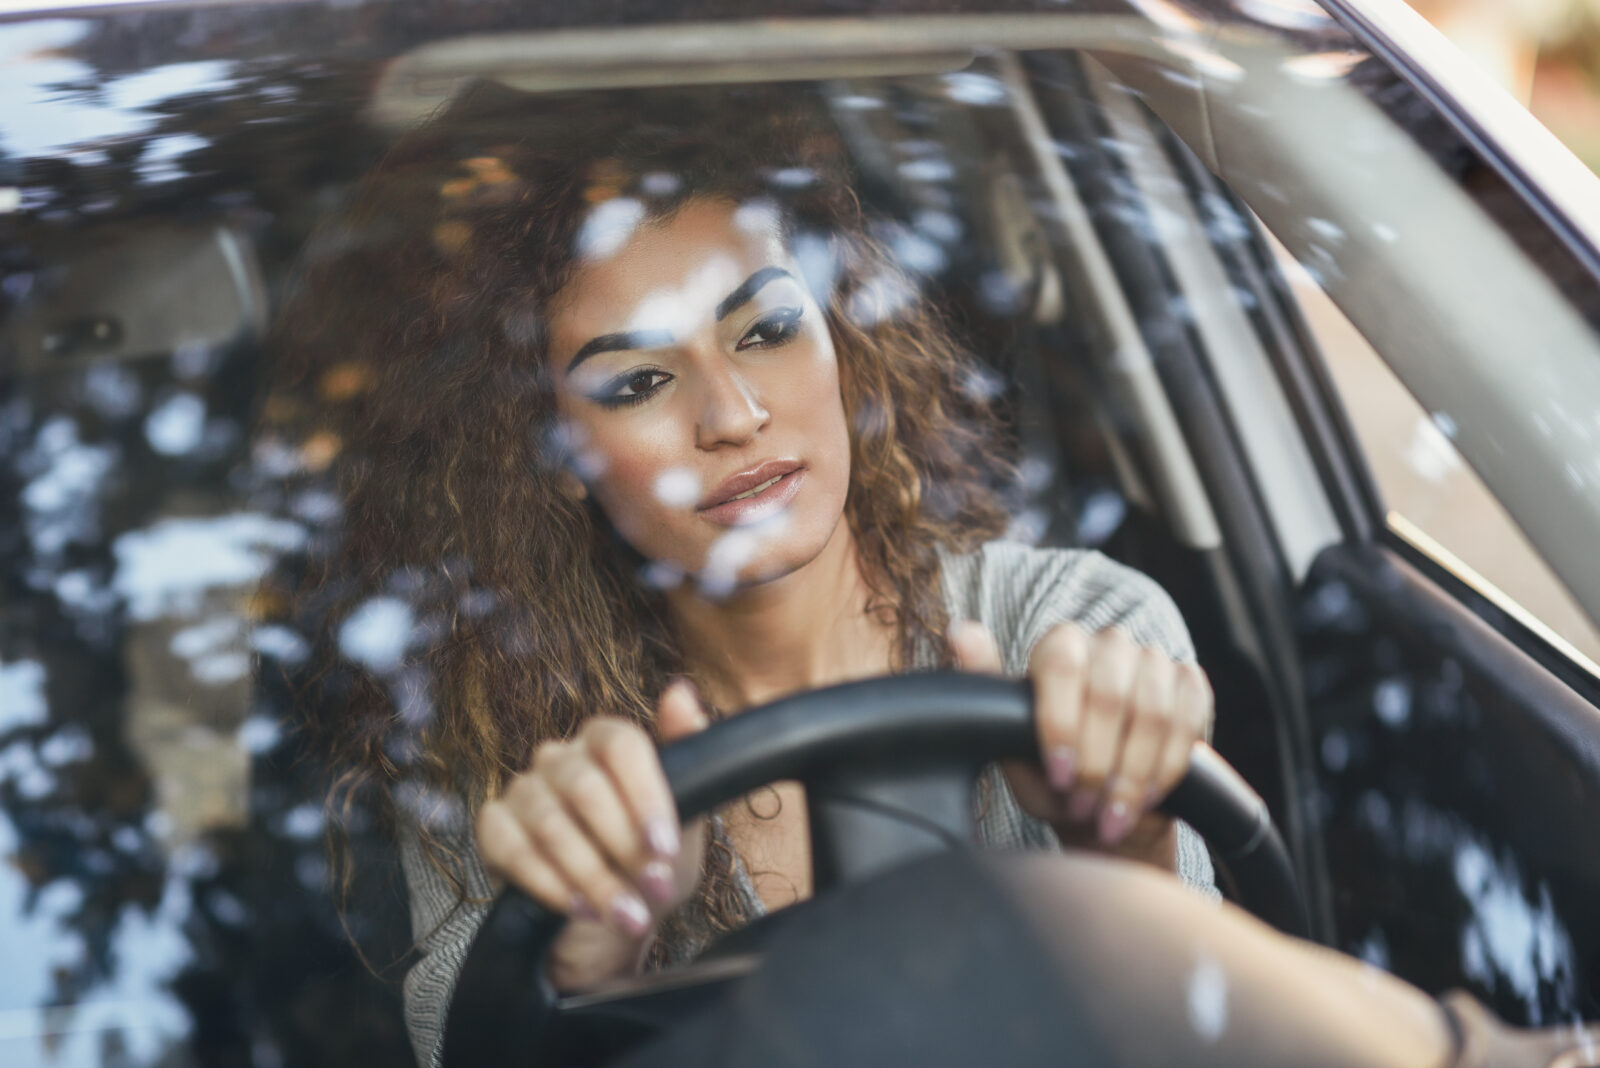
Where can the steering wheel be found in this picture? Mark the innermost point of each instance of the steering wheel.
(889, 766)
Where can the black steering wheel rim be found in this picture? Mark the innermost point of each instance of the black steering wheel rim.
(942, 726)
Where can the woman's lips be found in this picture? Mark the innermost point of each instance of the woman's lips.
(756, 495)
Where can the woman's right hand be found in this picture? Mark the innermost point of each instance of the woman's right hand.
(591, 830)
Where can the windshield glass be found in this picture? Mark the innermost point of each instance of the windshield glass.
(373, 415)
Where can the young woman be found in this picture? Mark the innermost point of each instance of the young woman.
(645, 428)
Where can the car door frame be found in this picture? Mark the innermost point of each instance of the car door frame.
(1426, 590)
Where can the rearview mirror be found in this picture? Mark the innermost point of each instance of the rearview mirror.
(129, 292)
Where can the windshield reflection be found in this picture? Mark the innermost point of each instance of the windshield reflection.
(167, 895)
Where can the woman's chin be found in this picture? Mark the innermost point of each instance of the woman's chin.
(740, 558)
(747, 558)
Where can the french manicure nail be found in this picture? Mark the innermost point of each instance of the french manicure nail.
(1061, 766)
(1114, 822)
(580, 909)
(656, 881)
(662, 834)
(630, 914)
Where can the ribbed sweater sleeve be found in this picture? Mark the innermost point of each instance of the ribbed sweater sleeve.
(1019, 593)
(442, 925)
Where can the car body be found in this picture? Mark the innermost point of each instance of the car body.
(1291, 311)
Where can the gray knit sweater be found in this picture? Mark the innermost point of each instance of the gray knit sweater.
(1017, 592)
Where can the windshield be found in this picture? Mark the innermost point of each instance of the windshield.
(335, 480)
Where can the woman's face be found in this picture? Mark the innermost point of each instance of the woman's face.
(699, 389)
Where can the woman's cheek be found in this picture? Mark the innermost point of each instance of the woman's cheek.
(824, 406)
(639, 495)
(623, 490)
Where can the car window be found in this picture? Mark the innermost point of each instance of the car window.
(1434, 402)
(1434, 499)
(262, 439)
(1432, 494)
(188, 437)
(1474, 272)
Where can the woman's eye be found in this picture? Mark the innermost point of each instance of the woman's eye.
(775, 329)
(633, 388)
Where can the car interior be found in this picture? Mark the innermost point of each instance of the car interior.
(1099, 204)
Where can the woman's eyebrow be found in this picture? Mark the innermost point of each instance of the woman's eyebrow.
(749, 288)
(629, 339)
(654, 339)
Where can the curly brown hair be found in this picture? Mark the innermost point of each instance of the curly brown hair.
(414, 350)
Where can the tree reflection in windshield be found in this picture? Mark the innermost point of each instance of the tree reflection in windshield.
(167, 887)
(164, 829)
(168, 895)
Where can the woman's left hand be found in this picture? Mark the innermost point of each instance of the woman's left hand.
(1116, 722)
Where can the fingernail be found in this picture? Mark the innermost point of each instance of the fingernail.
(1114, 822)
(656, 881)
(1081, 807)
(1061, 766)
(580, 909)
(662, 834)
(630, 914)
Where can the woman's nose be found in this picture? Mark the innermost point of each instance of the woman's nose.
(732, 412)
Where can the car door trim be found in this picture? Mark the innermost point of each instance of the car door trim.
(1418, 540)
